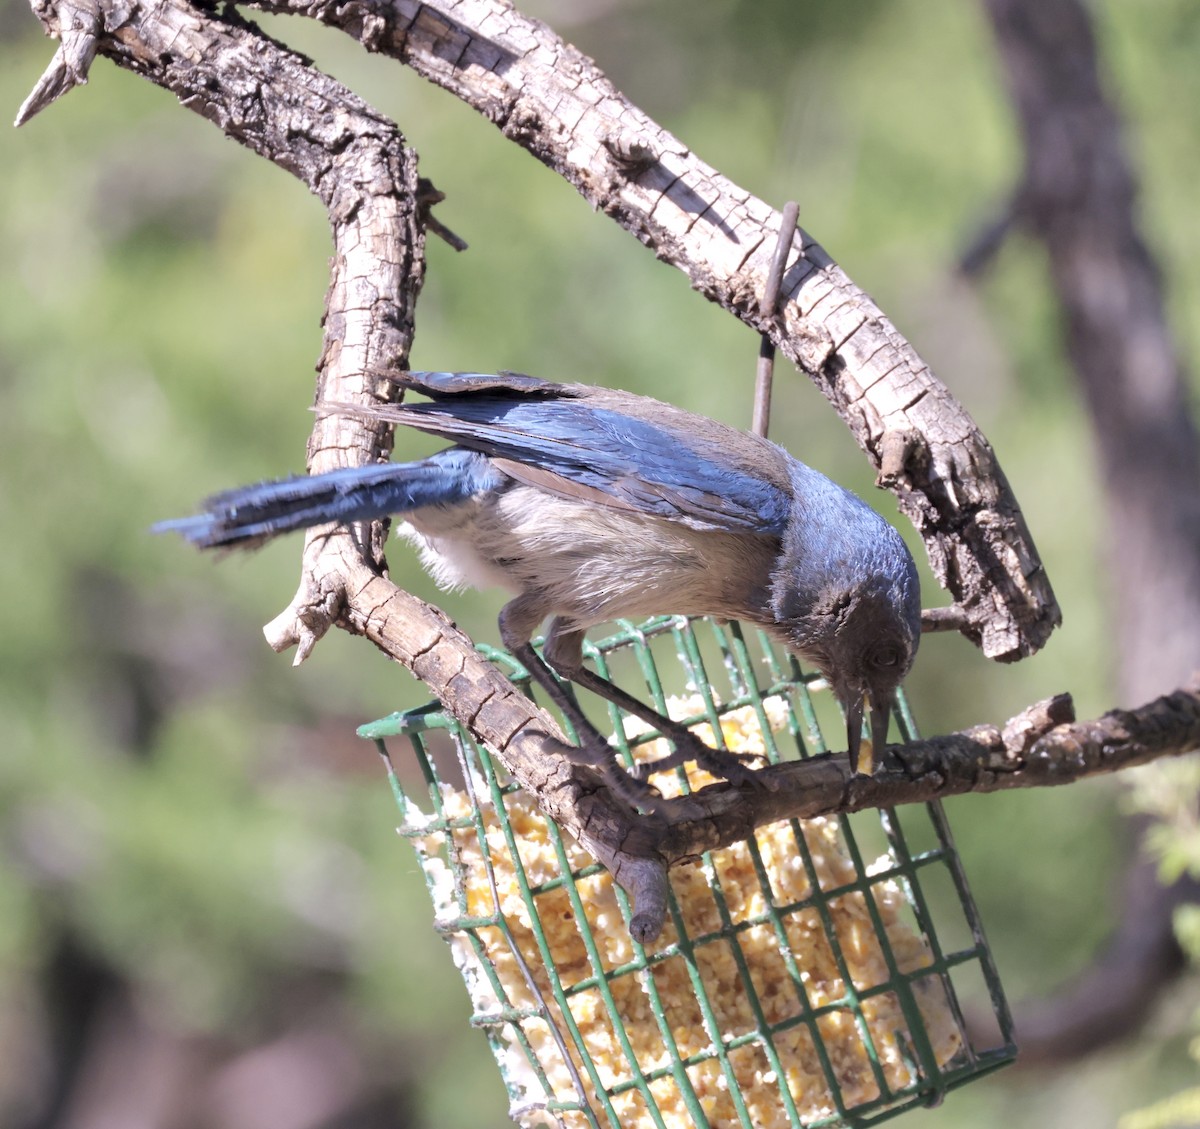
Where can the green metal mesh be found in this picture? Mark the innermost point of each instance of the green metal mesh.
(724, 1020)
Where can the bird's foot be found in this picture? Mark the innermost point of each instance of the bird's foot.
(730, 766)
(630, 787)
(641, 795)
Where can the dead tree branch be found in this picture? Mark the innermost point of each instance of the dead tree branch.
(1078, 198)
(555, 102)
(274, 102)
(1122, 986)
(1041, 746)
(544, 95)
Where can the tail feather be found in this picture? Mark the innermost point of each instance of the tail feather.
(249, 515)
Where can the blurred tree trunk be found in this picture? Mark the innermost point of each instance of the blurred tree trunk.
(1078, 199)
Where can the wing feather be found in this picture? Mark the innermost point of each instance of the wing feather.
(615, 449)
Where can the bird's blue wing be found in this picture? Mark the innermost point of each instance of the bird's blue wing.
(613, 448)
(442, 385)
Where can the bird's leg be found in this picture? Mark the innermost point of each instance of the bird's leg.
(564, 654)
(688, 746)
(593, 750)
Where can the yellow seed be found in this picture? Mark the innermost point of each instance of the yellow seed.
(779, 997)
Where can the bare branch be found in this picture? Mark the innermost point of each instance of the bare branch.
(1122, 987)
(1034, 749)
(953, 618)
(1077, 197)
(272, 101)
(549, 98)
(552, 100)
(529, 744)
(78, 27)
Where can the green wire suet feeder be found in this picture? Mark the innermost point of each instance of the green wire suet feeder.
(818, 974)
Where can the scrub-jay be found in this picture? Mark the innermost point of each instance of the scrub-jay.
(592, 504)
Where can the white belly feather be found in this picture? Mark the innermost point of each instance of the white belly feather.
(611, 564)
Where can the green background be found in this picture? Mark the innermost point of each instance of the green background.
(183, 810)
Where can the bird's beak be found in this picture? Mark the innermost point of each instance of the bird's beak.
(854, 720)
(881, 712)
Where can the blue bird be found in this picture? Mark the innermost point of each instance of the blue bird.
(591, 504)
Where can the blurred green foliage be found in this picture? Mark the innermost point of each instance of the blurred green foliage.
(1167, 794)
(193, 811)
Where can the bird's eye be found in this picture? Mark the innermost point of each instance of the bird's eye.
(885, 656)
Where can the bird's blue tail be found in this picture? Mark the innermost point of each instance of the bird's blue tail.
(250, 515)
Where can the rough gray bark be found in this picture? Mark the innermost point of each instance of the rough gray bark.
(1041, 746)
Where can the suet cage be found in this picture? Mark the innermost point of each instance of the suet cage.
(822, 973)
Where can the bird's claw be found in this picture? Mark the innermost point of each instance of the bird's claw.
(724, 763)
(630, 786)
(641, 795)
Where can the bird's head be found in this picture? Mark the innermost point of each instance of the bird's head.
(850, 603)
(864, 640)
